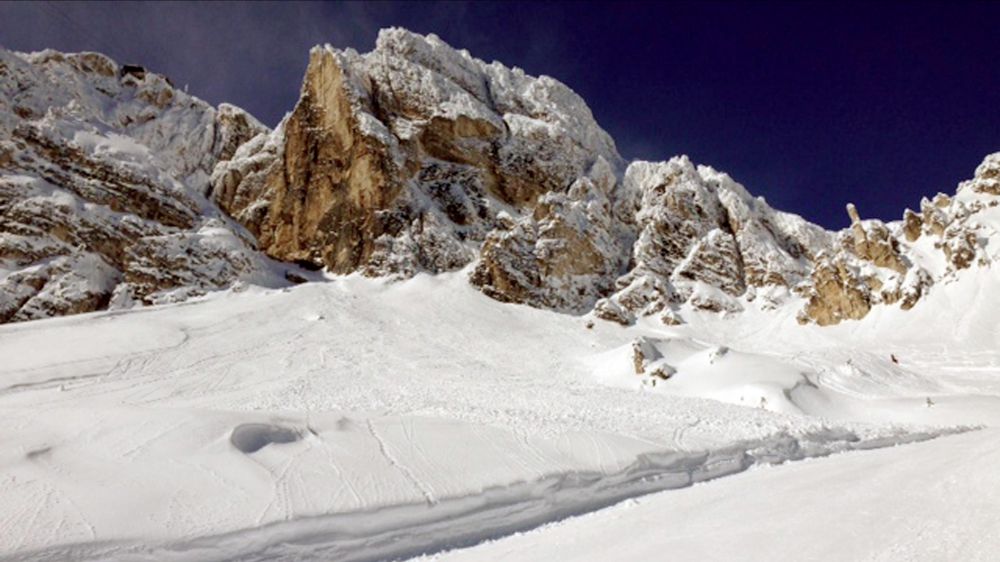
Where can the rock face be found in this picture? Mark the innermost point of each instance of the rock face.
(874, 263)
(102, 170)
(117, 188)
(703, 240)
(407, 158)
(418, 157)
(565, 254)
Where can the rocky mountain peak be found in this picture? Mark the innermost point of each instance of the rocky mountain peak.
(987, 177)
(416, 157)
(402, 159)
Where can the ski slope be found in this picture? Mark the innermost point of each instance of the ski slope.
(929, 501)
(355, 419)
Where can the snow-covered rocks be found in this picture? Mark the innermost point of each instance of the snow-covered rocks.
(391, 177)
(987, 177)
(701, 239)
(566, 254)
(418, 157)
(874, 263)
(102, 169)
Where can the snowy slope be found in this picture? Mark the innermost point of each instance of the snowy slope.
(357, 419)
(930, 501)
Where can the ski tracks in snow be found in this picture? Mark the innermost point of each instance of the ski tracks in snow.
(402, 468)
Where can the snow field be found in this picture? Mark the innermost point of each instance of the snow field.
(358, 419)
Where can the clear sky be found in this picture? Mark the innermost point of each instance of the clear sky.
(811, 105)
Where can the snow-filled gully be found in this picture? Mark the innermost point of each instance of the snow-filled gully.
(402, 531)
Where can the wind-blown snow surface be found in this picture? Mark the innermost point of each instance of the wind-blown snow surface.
(356, 419)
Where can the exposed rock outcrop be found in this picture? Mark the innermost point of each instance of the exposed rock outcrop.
(872, 242)
(565, 254)
(912, 225)
(897, 263)
(648, 362)
(987, 177)
(403, 159)
(838, 292)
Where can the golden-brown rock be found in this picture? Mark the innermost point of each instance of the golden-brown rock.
(838, 293)
(912, 225)
(873, 242)
(407, 159)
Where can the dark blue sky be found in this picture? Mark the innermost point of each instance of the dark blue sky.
(809, 104)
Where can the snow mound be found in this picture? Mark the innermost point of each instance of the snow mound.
(686, 367)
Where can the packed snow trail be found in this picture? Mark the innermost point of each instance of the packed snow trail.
(929, 501)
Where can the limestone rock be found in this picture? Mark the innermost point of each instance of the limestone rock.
(987, 176)
(912, 225)
(935, 219)
(564, 256)
(116, 188)
(65, 285)
(648, 362)
(641, 351)
(873, 242)
(644, 355)
(873, 264)
(960, 247)
(418, 157)
(838, 293)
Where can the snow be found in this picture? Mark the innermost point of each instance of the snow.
(73, 103)
(451, 83)
(358, 419)
(930, 501)
(114, 145)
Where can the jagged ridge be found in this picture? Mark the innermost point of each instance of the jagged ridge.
(418, 157)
